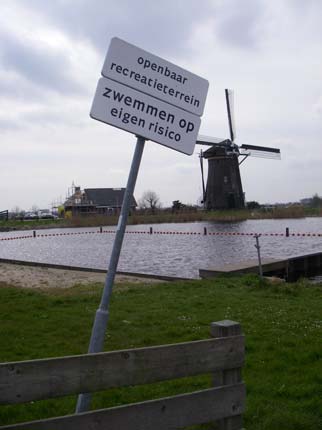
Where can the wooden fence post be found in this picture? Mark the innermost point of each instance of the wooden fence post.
(227, 328)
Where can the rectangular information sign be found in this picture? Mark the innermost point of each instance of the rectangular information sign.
(145, 116)
(145, 72)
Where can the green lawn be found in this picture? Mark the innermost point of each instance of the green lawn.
(282, 324)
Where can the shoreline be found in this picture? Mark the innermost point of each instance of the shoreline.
(150, 222)
(42, 277)
(162, 218)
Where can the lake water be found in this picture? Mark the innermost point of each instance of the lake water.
(179, 255)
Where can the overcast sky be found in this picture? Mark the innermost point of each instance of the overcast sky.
(51, 55)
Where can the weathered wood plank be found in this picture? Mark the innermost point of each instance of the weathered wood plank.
(39, 379)
(167, 413)
(222, 329)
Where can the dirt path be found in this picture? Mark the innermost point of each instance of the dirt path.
(42, 277)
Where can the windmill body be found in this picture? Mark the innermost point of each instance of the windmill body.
(224, 187)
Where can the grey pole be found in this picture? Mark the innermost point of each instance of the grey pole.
(101, 318)
(259, 255)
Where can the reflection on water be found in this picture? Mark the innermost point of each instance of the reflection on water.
(170, 255)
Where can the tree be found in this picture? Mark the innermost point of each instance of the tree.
(177, 206)
(253, 205)
(149, 200)
(316, 201)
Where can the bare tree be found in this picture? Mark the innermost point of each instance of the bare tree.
(16, 210)
(150, 200)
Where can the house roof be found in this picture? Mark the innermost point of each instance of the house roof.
(111, 197)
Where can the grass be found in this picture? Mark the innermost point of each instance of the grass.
(282, 324)
(13, 224)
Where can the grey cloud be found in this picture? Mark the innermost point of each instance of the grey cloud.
(47, 117)
(236, 22)
(38, 66)
(308, 170)
(44, 117)
(8, 125)
(163, 27)
(18, 88)
(317, 107)
(301, 6)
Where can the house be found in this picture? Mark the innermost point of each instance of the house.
(96, 201)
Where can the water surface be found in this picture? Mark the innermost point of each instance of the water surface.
(167, 254)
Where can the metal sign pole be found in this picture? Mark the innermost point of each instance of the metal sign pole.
(102, 314)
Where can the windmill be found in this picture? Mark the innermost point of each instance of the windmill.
(224, 187)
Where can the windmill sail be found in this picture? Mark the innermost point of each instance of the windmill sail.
(261, 151)
(231, 114)
(202, 177)
(208, 140)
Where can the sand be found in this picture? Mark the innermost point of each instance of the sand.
(42, 277)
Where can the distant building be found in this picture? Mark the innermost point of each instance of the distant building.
(306, 201)
(96, 201)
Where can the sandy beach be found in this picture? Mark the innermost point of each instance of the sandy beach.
(42, 277)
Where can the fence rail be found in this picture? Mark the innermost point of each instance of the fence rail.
(222, 356)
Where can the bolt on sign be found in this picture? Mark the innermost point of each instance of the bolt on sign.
(150, 97)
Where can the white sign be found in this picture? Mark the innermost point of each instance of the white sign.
(132, 66)
(145, 116)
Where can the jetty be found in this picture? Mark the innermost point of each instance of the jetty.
(290, 268)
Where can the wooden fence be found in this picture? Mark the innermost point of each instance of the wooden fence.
(222, 356)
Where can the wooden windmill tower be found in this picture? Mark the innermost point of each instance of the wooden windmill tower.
(224, 187)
